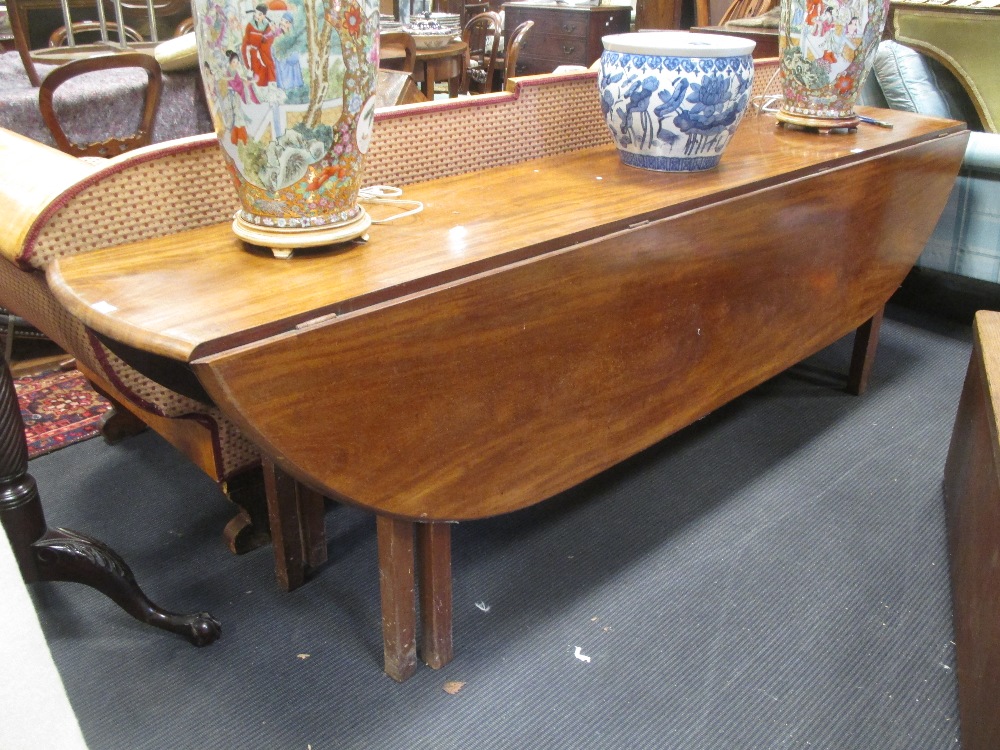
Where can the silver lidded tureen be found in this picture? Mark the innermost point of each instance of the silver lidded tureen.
(429, 33)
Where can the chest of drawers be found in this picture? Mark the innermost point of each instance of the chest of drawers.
(563, 35)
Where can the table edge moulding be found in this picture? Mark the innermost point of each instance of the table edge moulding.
(485, 355)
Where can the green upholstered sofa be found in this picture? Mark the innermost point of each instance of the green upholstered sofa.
(966, 241)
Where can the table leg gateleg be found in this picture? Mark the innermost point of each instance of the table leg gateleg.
(434, 561)
(399, 603)
(312, 508)
(282, 511)
(865, 344)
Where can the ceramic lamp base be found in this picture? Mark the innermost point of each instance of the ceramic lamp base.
(821, 124)
(284, 242)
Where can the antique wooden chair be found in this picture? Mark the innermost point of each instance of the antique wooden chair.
(92, 31)
(144, 23)
(184, 27)
(392, 43)
(512, 50)
(482, 35)
(114, 145)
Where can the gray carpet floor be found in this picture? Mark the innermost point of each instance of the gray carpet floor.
(775, 576)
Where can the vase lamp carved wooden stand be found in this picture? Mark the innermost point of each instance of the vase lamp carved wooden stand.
(45, 554)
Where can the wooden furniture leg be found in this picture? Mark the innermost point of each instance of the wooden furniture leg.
(250, 528)
(19, 25)
(972, 505)
(297, 526)
(45, 554)
(119, 423)
(865, 344)
(434, 565)
(429, 82)
(399, 603)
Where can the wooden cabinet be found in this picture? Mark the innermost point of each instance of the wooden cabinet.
(563, 35)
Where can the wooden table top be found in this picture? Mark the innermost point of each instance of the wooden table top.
(450, 50)
(453, 48)
(203, 291)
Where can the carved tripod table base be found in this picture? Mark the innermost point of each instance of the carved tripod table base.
(45, 554)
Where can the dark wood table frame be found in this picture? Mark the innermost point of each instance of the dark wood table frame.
(488, 354)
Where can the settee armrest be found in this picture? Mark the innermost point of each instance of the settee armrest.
(33, 176)
(983, 153)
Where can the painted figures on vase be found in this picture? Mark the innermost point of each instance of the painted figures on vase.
(291, 84)
(827, 47)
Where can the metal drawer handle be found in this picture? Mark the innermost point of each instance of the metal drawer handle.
(568, 49)
(569, 28)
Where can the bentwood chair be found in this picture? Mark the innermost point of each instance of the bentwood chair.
(482, 35)
(114, 145)
(91, 30)
(144, 22)
(512, 50)
(184, 27)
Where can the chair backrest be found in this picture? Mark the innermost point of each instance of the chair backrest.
(91, 29)
(512, 50)
(113, 145)
(482, 35)
(400, 41)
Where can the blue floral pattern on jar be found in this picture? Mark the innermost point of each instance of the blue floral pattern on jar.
(673, 113)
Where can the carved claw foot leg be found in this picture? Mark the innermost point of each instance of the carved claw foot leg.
(45, 554)
(64, 555)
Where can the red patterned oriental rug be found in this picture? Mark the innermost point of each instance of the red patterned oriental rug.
(59, 409)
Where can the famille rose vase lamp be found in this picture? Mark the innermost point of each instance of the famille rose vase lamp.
(827, 48)
(673, 99)
(291, 88)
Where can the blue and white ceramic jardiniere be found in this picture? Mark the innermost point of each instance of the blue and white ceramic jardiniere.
(673, 99)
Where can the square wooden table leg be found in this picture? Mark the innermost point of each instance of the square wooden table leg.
(434, 555)
(312, 511)
(296, 515)
(282, 512)
(865, 344)
(396, 562)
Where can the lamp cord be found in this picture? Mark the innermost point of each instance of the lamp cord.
(389, 195)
